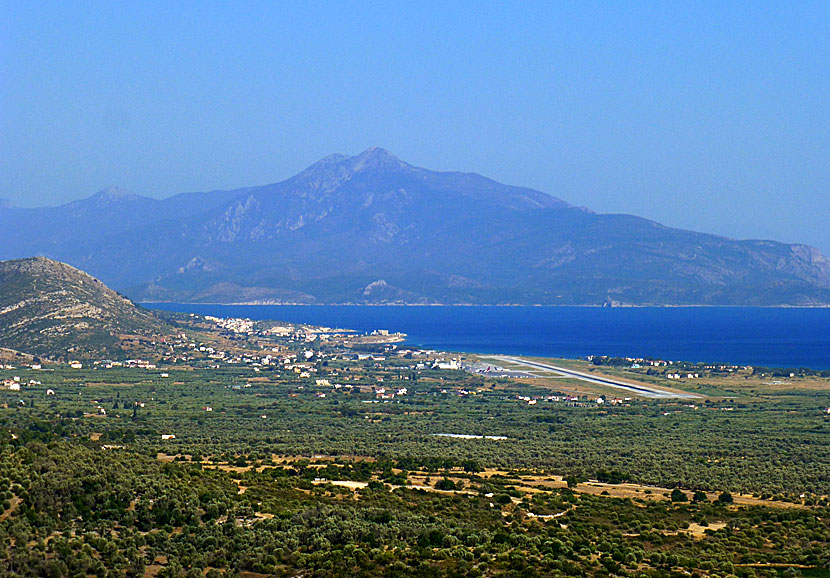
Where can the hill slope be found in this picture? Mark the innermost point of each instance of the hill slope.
(53, 310)
(371, 228)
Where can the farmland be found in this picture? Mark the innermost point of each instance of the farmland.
(277, 453)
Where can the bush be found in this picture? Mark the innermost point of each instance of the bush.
(725, 498)
(445, 484)
(678, 496)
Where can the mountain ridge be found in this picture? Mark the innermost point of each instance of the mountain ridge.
(54, 310)
(345, 222)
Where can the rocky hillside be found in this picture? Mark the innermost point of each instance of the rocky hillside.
(372, 228)
(53, 310)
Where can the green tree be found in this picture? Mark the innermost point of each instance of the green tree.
(678, 495)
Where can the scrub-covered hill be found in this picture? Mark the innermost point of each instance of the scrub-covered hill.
(53, 310)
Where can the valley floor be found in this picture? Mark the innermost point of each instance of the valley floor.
(278, 450)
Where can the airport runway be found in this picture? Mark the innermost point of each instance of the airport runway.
(639, 389)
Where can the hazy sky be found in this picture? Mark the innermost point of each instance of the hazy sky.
(713, 116)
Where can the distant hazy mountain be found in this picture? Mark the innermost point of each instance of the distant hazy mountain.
(52, 310)
(374, 229)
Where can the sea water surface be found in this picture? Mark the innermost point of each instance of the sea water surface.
(772, 337)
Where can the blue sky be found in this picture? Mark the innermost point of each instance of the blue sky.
(704, 115)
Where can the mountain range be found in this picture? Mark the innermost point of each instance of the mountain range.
(372, 229)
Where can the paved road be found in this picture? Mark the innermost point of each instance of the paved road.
(643, 390)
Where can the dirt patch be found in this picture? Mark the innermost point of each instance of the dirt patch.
(277, 459)
(697, 531)
(15, 502)
(344, 484)
(633, 491)
(228, 468)
(528, 483)
(744, 500)
(774, 565)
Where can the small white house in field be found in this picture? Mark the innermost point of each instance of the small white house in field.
(168, 436)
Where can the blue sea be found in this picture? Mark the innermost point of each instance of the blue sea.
(772, 337)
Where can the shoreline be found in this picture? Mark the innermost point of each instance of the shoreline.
(545, 341)
(145, 304)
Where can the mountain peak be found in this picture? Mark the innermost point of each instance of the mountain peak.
(376, 153)
(374, 158)
(335, 169)
(109, 196)
(115, 193)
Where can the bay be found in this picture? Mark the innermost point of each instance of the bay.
(772, 337)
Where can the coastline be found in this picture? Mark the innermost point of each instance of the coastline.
(762, 336)
(266, 303)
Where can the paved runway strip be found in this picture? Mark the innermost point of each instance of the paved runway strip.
(639, 389)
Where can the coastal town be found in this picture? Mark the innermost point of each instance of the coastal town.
(376, 366)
